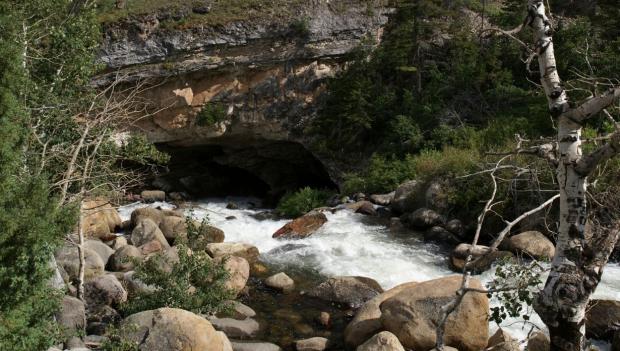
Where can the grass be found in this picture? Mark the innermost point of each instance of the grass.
(222, 11)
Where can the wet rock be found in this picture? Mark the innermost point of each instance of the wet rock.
(153, 195)
(238, 311)
(367, 208)
(312, 344)
(247, 251)
(384, 341)
(265, 216)
(531, 243)
(171, 329)
(123, 258)
(103, 250)
(72, 314)
(538, 341)
(404, 201)
(230, 218)
(382, 199)
(602, 319)
(423, 218)
(232, 206)
(301, 227)
(413, 314)
(104, 290)
(455, 227)
(67, 257)
(482, 257)
(239, 270)
(367, 320)
(146, 230)
(254, 346)
(281, 282)
(236, 329)
(440, 235)
(100, 219)
(325, 319)
(502, 341)
(350, 291)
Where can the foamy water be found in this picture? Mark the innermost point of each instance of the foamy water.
(348, 245)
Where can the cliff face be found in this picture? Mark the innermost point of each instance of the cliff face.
(241, 86)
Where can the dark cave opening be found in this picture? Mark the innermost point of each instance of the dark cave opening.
(264, 169)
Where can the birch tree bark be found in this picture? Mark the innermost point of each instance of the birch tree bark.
(577, 266)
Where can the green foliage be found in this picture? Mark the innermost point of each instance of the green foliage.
(514, 285)
(195, 283)
(301, 27)
(138, 149)
(116, 340)
(302, 201)
(211, 114)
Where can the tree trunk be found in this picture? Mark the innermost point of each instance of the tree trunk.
(577, 267)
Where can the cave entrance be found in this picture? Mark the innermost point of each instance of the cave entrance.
(265, 169)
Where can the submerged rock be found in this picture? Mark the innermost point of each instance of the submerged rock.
(350, 291)
(301, 227)
(413, 314)
(312, 344)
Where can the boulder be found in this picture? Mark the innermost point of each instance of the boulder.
(312, 344)
(151, 247)
(104, 290)
(67, 257)
(117, 243)
(533, 244)
(325, 319)
(538, 341)
(437, 195)
(146, 230)
(239, 271)
(482, 258)
(72, 314)
(123, 258)
(236, 329)
(413, 314)
(440, 235)
(382, 199)
(237, 311)
(99, 317)
(301, 227)
(404, 201)
(171, 329)
(363, 207)
(455, 227)
(135, 285)
(207, 234)
(225, 343)
(384, 341)
(502, 341)
(74, 344)
(602, 319)
(173, 227)
(153, 195)
(99, 219)
(367, 320)
(281, 282)
(254, 346)
(423, 218)
(247, 251)
(103, 250)
(153, 214)
(615, 344)
(350, 291)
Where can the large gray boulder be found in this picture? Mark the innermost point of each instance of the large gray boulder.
(384, 341)
(247, 251)
(531, 243)
(414, 313)
(72, 314)
(404, 197)
(124, 258)
(350, 291)
(237, 329)
(145, 231)
(281, 282)
(171, 329)
(423, 218)
(367, 320)
(103, 250)
(239, 271)
(104, 290)
(67, 257)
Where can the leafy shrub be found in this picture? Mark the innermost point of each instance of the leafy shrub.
(382, 175)
(302, 201)
(116, 340)
(211, 114)
(195, 283)
(301, 27)
(138, 149)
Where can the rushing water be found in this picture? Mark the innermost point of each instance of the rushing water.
(351, 244)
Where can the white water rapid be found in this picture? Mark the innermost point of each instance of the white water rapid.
(348, 245)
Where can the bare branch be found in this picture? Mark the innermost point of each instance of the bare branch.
(592, 106)
(588, 163)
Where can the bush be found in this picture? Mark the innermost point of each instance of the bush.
(302, 201)
(211, 114)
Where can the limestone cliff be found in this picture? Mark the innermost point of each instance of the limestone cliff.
(240, 88)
